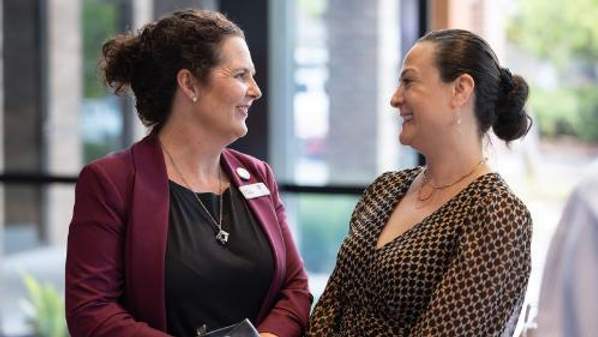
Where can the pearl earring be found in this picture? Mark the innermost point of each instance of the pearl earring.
(194, 99)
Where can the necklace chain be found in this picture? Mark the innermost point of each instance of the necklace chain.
(428, 181)
(221, 234)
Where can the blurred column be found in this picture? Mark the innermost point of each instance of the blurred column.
(64, 89)
(353, 89)
(1, 152)
(22, 120)
(389, 47)
(162, 7)
(364, 46)
(137, 14)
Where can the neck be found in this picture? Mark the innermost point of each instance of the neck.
(194, 152)
(448, 163)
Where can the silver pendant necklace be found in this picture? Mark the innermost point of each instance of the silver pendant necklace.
(221, 234)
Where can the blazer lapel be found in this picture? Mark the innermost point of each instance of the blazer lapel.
(147, 234)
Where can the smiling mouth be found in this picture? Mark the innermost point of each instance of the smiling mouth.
(407, 117)
(243, 108)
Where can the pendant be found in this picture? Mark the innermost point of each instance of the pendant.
(222, 237)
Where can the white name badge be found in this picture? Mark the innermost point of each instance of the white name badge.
(254, 190)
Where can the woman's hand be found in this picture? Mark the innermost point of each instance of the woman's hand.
(267, 334)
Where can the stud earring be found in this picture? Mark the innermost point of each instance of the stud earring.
(194, 99)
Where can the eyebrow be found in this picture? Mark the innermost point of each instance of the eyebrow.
(249, 70)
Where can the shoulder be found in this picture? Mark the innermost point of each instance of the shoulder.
(393, 180)
(253, 164)
(499, 204)
(115, 169)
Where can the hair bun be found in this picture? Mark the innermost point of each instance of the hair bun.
(512, 121)
(506, 80)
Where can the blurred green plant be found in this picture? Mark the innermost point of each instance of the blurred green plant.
(557, 31)
(100, 21)
(567, 37)
(45, 308)
(568, 111)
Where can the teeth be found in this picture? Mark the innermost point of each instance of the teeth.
(407, 117)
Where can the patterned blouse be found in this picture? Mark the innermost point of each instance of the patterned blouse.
(462, 271)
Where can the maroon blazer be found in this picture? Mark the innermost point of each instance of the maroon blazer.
(117, 247)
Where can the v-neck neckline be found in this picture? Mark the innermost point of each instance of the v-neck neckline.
(403, 191)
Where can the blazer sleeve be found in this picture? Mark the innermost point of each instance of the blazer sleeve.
(484, 286)
(94, 265)
(290, 312)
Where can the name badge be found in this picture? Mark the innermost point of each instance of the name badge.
(254, 190)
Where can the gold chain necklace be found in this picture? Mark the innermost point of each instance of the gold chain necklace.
(221, 234)
(428, 181)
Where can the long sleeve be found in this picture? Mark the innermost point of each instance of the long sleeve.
(290, 312)
(485, 283)
(327, 313)
(94, 266)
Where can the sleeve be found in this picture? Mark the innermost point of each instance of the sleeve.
(94, 280)
(484, 286)
(325, 317)
(290, 313)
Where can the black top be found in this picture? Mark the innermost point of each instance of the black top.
(206, 282)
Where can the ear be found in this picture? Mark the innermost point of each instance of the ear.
(463, 88)
(187, 82)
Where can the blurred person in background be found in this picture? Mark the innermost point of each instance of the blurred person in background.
(569, 294)
(179, 232)
(444, 249)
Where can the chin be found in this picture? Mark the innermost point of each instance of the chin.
(241, 130)
(405, 139)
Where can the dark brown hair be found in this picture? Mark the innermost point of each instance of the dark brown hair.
(499, 95)
(148, 61)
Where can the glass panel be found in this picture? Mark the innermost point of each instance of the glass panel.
(28, 250)
(320, 223)
(343, 129)
(102, 121)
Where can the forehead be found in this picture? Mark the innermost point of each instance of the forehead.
(235, 53)
(420, 57)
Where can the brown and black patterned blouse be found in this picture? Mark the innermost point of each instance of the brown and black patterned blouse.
(462, 271)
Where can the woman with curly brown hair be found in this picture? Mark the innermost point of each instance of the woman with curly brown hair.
(178, 231)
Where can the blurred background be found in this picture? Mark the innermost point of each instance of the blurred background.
(327, 69)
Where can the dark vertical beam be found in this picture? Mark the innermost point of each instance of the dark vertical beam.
(23, 114)
(129, 117)
(252, 17)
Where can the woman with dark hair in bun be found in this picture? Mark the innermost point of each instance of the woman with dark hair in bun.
(444, 249)
(178, 232)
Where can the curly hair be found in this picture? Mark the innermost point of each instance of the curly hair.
(147, 61)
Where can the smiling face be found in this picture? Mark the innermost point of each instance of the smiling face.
(423, 99)
(223, 101)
